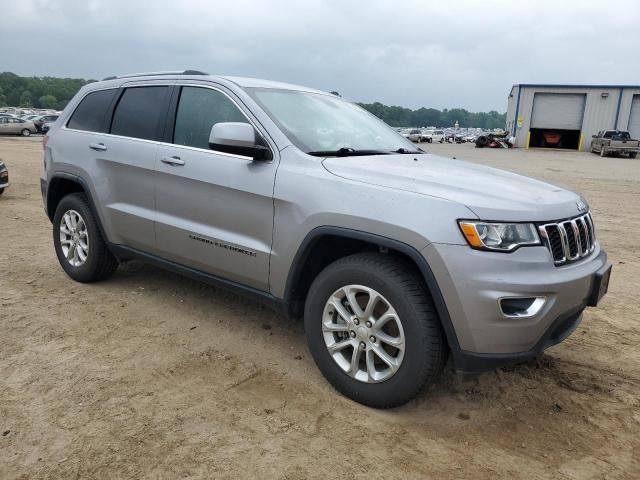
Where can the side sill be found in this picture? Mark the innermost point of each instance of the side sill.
(127, 253)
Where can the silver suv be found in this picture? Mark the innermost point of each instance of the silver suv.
(397, 259)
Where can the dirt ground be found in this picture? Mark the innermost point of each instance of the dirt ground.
(151, 375)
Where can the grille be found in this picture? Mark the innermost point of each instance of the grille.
(569, 240)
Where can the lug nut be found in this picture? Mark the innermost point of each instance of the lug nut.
(353, 334)
(363, 345)
(372, 338)
(368, 324)
(356, 321)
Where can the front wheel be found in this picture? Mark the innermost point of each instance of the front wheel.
(603, 151)
(81, 250)
(373, 331)
(25, 132)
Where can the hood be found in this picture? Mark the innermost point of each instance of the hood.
(492, 194)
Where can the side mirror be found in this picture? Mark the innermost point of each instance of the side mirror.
(239, 138)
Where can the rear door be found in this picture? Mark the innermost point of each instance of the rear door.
(215, 209)
(127, 163)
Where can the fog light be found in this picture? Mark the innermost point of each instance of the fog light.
(521, 307)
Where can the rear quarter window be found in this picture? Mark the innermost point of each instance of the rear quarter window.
(89, 114)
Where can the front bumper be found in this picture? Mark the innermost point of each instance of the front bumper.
(472, 283)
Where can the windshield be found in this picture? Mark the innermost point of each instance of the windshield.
(316, 122)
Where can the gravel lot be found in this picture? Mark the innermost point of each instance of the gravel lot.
(151, 375)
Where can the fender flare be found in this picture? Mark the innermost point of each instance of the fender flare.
(314, 235)
(87, 191)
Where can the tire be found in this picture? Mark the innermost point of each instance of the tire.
(1, 191)
(98, 263)
(402, 290)
(603, 151)
(633, 154)
(25, 132)
(442, 140)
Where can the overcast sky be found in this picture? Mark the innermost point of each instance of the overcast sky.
(440, 54)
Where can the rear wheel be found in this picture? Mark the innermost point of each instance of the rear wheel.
(633, 154)
(373, 331)
(25, 132)
(80, 248)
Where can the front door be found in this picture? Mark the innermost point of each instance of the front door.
(214, 209)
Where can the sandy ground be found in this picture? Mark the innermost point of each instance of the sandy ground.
(151, 375)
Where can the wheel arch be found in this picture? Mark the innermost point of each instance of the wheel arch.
(323, 245)
(62, 184)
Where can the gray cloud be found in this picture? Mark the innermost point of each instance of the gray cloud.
(411, 53)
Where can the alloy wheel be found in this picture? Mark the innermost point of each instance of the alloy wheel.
(74, 238)
(363, 333)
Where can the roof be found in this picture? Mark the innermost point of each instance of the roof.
(259, 83)
(244, 82)
(574, 86)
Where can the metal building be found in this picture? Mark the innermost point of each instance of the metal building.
(566, 116)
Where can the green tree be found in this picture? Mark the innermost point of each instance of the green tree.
(48, 101)
(26, 99)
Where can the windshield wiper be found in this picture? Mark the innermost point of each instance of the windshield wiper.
(346, 152)
(402, 150)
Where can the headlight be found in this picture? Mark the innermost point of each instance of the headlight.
(501, 237)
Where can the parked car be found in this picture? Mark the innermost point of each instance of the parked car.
(608, 142)
(438, 136)
(396, 259)
(426, 136)
(415, 135)
(46, 127)
(41, 120)
(4, 177)
(16, 126)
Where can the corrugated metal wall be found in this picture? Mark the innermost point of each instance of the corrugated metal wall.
(599, 114)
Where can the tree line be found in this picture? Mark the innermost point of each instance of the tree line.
(55, 93)
(431, 117)
(38, 92)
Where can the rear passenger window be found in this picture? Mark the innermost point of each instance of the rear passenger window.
(199, 109)
(89, 115)
(139, 112)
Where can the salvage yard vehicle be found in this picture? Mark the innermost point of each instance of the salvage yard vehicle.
(42, 119)
(610, 142)
(396, 259)
(415, 135)
(16, 126)
(4, 177)
(426, 136)
(438, 136)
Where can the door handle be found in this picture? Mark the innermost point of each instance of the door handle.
(98, 147)
(174, 161)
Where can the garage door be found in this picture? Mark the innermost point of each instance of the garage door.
(558, 110)
(634, 118)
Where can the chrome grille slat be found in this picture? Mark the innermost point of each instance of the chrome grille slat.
(569, 240)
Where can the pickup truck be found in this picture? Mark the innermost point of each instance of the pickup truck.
(608, 142)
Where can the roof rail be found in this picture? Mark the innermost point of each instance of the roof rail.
(147, 74)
